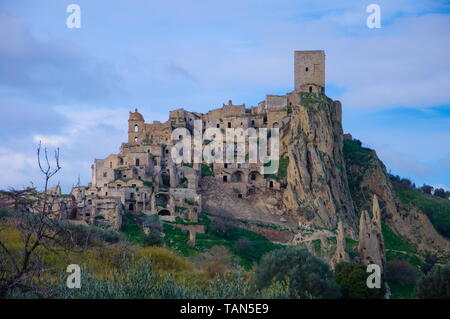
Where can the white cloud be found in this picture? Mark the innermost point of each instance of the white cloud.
(53, 140)
(82, 121)
(445, 187)
(17, 168)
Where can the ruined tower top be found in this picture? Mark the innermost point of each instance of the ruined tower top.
(310, 71)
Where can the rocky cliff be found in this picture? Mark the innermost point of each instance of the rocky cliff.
(367, 177)
(317, 187)
(326, 180)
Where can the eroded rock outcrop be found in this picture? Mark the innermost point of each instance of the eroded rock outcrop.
(371, 242)
(340, 254)
(367, 176)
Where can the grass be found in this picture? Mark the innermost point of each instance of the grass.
(176, 239)
(401, 291)
(282, 169)
(132, 230)
(412, 259)
(393, 241)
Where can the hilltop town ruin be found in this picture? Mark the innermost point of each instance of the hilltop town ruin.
(142, 177)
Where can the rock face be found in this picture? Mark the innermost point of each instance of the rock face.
(313, 189)
(317, 187)
(371, 242)
(368, 177)
(341, 254)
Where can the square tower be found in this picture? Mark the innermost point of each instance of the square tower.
(309, 71)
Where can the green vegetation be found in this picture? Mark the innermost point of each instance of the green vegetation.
(305, 276)
(180, 209)
(132, 229)
(282, 169)
(206, 170)
(351, 277)
(436, 208)
(394, 242)
(358, 160)
(148, 184)
(189, 202)
(176, 239)
(352, 247)
(435, 285)
(401, 276)
(307, 99)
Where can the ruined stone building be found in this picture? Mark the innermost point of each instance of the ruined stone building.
(142, 177)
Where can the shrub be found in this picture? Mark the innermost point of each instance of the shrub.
(243, 246)
(427, 189)
(429, 262)
(81, 235)
(306, 275)
(440, 192)
(401, 271)
(164, 260)
(221, 226)
(352, 277)
(434, 285)
(154, 227)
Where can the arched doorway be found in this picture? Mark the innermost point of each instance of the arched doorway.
(237, 177)
(131, 207)
(255, 177)
(164, 212)
(162, 199)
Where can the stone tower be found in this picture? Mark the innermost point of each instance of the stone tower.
(309, 71)
(135, 127)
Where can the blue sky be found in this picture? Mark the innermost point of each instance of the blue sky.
(73, 88)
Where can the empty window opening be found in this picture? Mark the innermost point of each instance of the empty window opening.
(237, 176)
(225, 179)
(137, 162)
(271, 184)
(306, 69)
(136, 128)
(310, 89)
(164, 212)
(239, 195)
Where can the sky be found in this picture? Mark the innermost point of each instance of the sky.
(73, 88)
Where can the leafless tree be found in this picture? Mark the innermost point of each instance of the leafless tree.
(32, 214)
